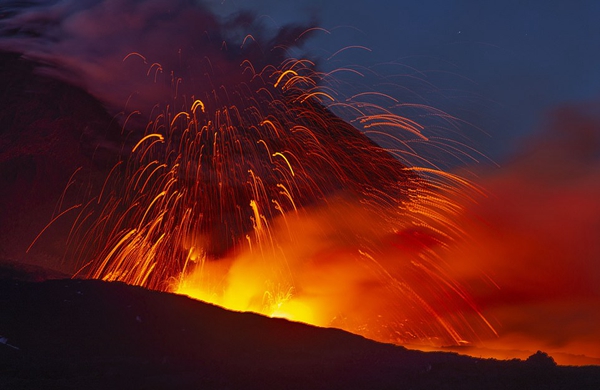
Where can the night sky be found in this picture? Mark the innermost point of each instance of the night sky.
(500, 66)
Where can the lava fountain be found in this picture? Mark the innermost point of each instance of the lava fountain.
(257, 197)
(243, 186)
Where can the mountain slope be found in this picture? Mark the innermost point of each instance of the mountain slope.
(93, 334)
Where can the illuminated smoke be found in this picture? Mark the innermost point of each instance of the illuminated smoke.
(538, 241)
(85, 42)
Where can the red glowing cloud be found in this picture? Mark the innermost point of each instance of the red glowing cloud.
(537, 239)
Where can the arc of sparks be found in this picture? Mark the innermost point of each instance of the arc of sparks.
(149, 136)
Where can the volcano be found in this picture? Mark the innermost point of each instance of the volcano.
(83, 333)
(246, 177)
(234, 177)
(211, 188)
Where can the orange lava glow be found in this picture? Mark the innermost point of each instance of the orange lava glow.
(342, 266)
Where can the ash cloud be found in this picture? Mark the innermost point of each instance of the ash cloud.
(49, 129)
(85, 43)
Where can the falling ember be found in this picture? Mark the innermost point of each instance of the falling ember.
(257, 197)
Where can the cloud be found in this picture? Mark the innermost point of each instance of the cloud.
(90, 43)
(536, 237)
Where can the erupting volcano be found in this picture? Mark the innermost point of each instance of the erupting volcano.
(246, 188)
(248, 177)
(260, 198)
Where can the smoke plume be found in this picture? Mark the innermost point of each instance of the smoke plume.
(130, 53)
(536, 239)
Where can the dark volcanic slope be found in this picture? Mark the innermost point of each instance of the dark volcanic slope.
(74, 334)
(48, 130)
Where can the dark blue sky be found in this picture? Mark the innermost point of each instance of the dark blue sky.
(498, 65)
